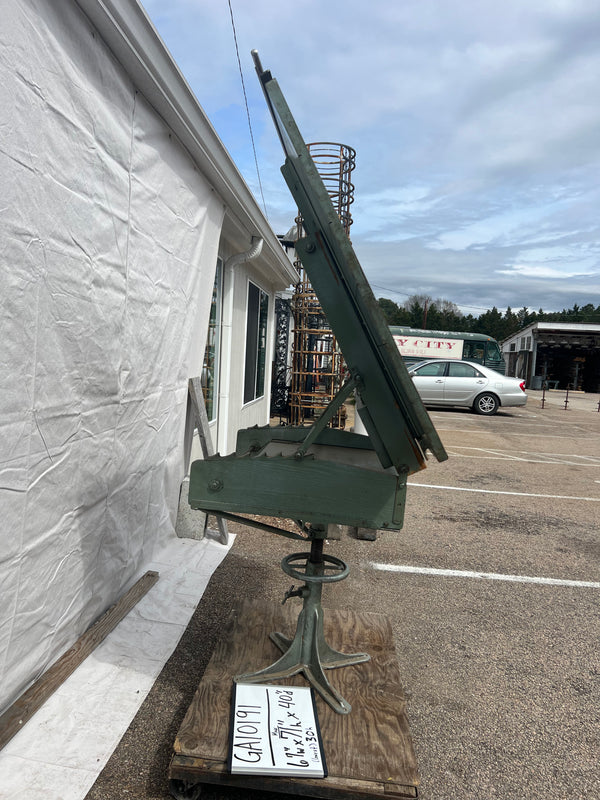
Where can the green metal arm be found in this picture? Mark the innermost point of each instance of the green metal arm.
(329, 412)
(392, 412)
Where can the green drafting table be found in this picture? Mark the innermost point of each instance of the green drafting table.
(317, 475)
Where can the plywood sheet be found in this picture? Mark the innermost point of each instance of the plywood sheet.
(369, 751)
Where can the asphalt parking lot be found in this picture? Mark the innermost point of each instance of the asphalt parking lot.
(493, 590)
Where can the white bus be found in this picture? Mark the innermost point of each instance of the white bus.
(419, 345)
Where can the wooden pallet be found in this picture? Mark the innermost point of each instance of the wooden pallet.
(369, 752)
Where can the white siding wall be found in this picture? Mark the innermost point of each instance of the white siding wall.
(233, 413)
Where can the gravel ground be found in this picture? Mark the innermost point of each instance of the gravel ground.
(503, 677)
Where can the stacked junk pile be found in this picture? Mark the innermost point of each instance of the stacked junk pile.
(317, 364)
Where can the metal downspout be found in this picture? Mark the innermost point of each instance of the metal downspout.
(222, 443)
(247, 255)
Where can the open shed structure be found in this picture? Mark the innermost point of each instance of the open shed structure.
(560, 354)
(128, 234)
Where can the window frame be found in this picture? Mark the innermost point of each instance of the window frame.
(465, 367)
(255, 353)
(439, 374)
(210, 377)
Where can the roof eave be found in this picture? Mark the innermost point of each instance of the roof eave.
(131, 36)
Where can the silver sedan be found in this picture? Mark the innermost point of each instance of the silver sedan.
(465, 383)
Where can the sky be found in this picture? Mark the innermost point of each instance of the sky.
(476, 126)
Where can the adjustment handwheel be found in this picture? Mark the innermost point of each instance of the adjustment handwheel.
(339, 567)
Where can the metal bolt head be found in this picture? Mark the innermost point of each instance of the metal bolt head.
(215, 485)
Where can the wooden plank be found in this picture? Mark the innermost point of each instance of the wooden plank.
(197, 398)
(369, 752)
(206, 445)
(186, 772)
(13, 719)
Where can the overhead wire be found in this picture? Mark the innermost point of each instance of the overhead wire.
(247, 108)
(404, 294)
(237, 51)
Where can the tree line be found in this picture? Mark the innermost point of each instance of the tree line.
(421, 311)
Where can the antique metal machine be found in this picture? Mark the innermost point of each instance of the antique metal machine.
(318, 475)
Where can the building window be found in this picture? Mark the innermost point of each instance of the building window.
(256, 343)
(210, 369)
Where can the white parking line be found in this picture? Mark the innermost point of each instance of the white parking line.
(502, 454)
(455, 454)
(490, 576)
(534, 458)
(520, 434)
(512, 494)
(505, 432)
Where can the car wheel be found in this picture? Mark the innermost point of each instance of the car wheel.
(486, 403)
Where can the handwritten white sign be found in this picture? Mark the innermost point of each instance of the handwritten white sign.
(275, 731)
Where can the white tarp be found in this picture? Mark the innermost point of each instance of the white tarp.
(64, 747)
(108, 245)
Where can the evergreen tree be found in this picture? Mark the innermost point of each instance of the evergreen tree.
(449, 315)
(524, 317)
(511, 323)
(490, 322)
(420, 311)
(390, 310)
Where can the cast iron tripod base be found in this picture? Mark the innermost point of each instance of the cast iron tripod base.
(308, 652)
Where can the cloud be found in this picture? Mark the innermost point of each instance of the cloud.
(475, 123)
(533, 271)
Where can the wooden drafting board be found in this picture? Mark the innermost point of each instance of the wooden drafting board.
(369, 752)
